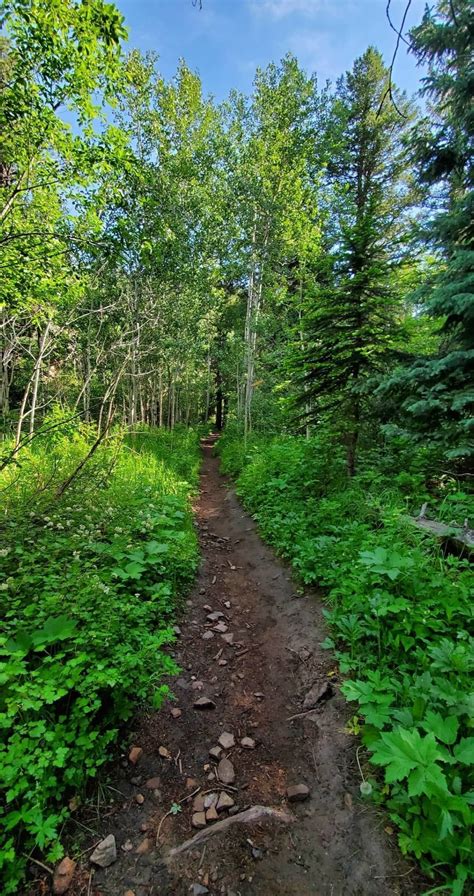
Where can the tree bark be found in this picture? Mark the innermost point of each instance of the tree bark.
(353, 440)
(219, 401)
(36, 375)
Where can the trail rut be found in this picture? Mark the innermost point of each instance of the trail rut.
(337, 845)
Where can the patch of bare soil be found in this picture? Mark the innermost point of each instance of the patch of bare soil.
(329, 844)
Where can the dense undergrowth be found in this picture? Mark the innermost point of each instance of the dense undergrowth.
(89, 583)
(400, 615)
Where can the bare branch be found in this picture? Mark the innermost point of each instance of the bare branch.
(389, 90)
(392, 26)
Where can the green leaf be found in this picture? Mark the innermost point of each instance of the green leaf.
(446, 824)
(402, 751)
(464, 751)
(445, 728)
(154, 547)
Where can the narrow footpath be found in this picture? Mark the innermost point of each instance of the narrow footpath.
(257, 723)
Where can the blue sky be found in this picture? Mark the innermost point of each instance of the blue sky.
(226, 40)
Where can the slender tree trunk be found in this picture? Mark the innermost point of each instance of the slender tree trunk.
(132, 412)
(153, 404)
(208, 388)
(307, 406)
(219, 401)
(21, 414)
(6, 369)
(160, 398)
(4, 391)
(238, 389)
(353, 440)
(253, 311)
(43, 341)
(172, 403)
(86, 399)
(177, 405)
(5, 382)
(169, 399)
(254, 301)
(109, 395)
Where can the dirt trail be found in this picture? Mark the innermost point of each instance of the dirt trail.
(336, 845)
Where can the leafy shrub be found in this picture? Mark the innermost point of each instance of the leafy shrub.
(400, 616)
(89, 584)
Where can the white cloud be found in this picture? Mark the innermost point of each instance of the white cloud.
(279, 9)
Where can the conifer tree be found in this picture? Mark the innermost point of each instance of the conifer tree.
(438, 391)
(349, 316)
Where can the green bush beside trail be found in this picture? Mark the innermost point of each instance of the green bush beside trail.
(89, 583)
(400, 618)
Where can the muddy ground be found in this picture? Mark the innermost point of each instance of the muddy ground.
(335, 844)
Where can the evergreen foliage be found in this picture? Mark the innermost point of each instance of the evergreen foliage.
(349, 317)
(437, 393)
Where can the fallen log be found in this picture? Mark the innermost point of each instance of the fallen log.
(248, 816)
(456, 538)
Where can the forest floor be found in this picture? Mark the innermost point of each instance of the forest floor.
(332, 843)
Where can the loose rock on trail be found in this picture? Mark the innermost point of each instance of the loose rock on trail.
(253, 786)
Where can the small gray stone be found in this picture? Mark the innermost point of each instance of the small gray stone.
(227, 740)
(317, 694)
(297, 793)
(226, 771)
(224, 802)
(105, 853)
(228, 638)
(215, 753)
(247, 743)
(213, 617)
(199, 890)
(204, 703)
(153, 783)
(198, 820)
(221, 628)
(207, 636)
(198, 803)
(210, 799)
